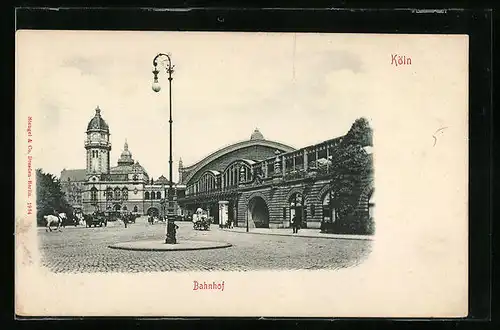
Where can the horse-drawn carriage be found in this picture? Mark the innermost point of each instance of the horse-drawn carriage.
(68, 220)
(129, 217)
(201, 220)
(96, 219)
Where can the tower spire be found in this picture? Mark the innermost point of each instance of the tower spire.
(126, 156)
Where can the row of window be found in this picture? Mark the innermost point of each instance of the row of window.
(232, 176)
(117, 193)
(235, 174)
(95, 153)
(152, 195)
(122, 194)
(110, 194)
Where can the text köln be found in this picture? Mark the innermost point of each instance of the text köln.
(397, 60)
(30, 169)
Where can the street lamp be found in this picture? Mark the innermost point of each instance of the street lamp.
(170, 227)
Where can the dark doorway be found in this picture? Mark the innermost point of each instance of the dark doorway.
(296, 203)
(258, 212)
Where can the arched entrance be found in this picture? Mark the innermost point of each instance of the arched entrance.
(117, 207)
(329, 209)
(296, 208)
(153, 212)
(258, 212)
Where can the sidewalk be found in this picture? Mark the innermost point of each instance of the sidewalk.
(309, 233)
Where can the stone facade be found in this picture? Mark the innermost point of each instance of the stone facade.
(266, 186)
(122, 188)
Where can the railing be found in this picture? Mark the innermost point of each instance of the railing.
(295, 174)
(294, 168)
(97, 143)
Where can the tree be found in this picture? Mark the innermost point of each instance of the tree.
(360, 133)
(50, 196)
(351, 165)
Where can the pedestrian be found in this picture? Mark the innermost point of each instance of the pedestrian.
(298, 222)
(294, 227)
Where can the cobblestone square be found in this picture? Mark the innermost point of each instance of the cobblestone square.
(80, 250)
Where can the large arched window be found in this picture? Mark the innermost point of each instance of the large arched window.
(146, 195)
(93, 193)
(234, 173)
(125, 193)
(329, 210)
(158, 195)
(208, 181)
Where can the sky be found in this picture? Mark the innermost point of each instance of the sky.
(297, 89)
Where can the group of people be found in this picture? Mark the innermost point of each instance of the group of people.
(228, 224)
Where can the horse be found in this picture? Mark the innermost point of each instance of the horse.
(52, 219)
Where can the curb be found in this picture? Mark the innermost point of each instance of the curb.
(304, 236)
(222, 246)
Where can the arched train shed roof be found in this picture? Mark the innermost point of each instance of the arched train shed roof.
(193, 170)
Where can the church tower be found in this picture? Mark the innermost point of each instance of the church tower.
(97, 145)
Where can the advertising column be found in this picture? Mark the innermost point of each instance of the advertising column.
(223, 210)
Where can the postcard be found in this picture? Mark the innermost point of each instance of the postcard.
(195, 174)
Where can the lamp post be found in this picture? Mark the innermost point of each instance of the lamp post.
(170, 227)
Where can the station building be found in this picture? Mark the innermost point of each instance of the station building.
(125, 187)
(263, 183)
